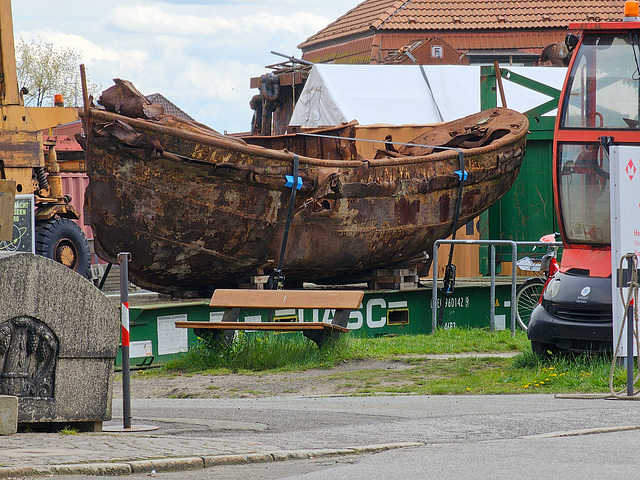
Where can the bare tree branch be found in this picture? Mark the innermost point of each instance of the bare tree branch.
(46, 71)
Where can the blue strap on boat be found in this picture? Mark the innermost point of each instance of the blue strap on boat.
(289, 182)
(450, 270)
(462, 174)
(449, 281)
(276, 279)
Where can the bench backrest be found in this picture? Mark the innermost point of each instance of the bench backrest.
(338, 299)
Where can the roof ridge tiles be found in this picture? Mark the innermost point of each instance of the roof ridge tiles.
(460, 15)
(393, 10)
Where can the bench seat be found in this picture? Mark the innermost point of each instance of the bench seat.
(269, 326)
(341, 301)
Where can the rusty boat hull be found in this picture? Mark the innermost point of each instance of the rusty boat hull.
(199, 210)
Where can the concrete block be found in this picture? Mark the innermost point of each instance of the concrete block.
(58, 342)
(8, 414)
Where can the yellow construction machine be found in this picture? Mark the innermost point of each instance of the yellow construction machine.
(24, 168)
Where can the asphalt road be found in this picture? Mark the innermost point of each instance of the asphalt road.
(319, 422)
(497, 437)
(596, 456)
(519, 436)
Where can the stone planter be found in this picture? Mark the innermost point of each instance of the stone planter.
(58, 341)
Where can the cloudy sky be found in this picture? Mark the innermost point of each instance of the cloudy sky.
(200, 54)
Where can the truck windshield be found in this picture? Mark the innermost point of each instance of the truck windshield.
(583, 193)
(603, 84)
(602, 96)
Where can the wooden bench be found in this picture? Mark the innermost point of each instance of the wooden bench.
(343, 301)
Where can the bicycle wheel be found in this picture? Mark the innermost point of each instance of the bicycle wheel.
(527, 298)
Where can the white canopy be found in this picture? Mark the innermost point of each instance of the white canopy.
(399, 94)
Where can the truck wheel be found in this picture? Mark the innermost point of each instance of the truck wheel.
(62, 240)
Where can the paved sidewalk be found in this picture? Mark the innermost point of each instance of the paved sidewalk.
(124, 453)
(199, 433)
(46, 454)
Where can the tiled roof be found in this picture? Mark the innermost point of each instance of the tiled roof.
(361, 50)
(354, 52)
(364, 17)
(169, 107)
(64, 136)
(450, 15)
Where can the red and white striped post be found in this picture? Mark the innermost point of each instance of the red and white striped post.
(123, 260)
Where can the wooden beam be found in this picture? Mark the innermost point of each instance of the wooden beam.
(286, 79)
(9, 85)
(7, 203)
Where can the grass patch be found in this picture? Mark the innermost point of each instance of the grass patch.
(455, 340)
(581, 373)
(68, 430)
(260, 351)
(267, 351)
(413, 373)
(522, 374)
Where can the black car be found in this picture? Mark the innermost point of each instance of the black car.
(575, 315)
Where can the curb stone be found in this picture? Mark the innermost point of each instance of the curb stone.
(585, 431)
(217, 460)
(167, 464)
(7, 472)
(94, 469)
(192, 463)
(385, 446)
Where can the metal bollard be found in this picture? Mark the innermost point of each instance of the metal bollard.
(630, 349)
(630, 326)
(123, 260)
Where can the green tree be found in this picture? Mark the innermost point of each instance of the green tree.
(46, 71)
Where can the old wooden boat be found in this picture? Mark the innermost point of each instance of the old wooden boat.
(199, 210)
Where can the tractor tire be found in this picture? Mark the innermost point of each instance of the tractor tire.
(62, 240)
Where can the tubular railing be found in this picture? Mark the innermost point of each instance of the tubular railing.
(493, 243)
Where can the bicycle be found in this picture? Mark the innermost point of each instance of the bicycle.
(528, 294)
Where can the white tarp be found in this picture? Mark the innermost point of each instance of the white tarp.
(399, 95)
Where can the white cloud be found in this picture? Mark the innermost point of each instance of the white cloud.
(201, 54)
(231, 28)
(89, 50)
(154, 20)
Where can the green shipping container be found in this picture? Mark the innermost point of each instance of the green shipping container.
(155, 340)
